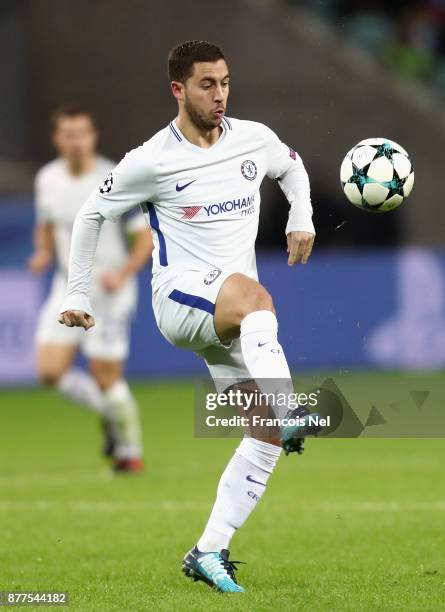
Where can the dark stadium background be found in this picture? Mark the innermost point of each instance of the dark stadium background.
(369, 308)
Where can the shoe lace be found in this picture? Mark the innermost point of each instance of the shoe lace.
(299, 411)
(230, 567)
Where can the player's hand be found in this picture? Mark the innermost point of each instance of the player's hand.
(39, 262)
(76, 318)
(113, 281)
(299, 247)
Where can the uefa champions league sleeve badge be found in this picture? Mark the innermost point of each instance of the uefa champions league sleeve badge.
(107, 184)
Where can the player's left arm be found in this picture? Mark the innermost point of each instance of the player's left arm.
(300, 231)
(140, 252)
(287, 167)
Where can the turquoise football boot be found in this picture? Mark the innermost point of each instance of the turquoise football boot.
(213, 568)
(293, 435)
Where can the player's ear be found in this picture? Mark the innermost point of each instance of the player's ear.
(177, 89)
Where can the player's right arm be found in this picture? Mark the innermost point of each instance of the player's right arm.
(43, 236)
(126, 187)
(43, 254)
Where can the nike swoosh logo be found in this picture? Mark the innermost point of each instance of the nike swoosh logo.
(260, 344)
(181, 187)
(250, 479)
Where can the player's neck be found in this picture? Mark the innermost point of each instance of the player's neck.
(200, 138)
(78, 167)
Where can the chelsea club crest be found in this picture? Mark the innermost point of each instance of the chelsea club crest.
(249, 170)
(211, 276)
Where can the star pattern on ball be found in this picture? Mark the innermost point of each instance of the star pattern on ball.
(359, 176)
(384, 150)
(377, 175)
(396, 185)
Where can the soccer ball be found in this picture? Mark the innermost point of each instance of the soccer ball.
(377, 175)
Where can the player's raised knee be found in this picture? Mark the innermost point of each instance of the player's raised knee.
(257, 298)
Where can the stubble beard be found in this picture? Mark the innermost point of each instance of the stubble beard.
(203, 124)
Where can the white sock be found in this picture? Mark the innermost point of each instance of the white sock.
(121, 411)
(240, 488)
(81, 388)
(264, 355)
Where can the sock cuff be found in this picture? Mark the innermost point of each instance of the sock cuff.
(262, 454)
(119, 391)
(80, 387)
(259, 321)
(69, 377)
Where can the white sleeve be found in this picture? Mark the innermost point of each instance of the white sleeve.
(128, 185)
(84, 241)
(285, 165)
(42, 204)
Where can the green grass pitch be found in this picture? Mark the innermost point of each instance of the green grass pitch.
(350, 525)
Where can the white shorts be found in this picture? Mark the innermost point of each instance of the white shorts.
(184, 307)
(109, 339)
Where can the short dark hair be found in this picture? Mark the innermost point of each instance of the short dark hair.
(182, 57)
(69, 110)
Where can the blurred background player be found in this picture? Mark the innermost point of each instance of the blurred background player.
(61, 187)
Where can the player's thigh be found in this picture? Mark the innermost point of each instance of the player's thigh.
(239, 295)
(184, 308)
(49, 330)
(109, 339)
(106, 372)
(53, 360)
(56, 344)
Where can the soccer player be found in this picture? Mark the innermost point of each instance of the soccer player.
(198, 182)
(62, 186)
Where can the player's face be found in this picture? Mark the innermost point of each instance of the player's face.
(75, 138)
(205, 94)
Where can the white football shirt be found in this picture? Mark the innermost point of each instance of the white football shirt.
(58, 197)
(203, 205)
